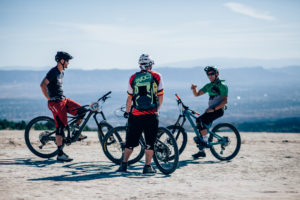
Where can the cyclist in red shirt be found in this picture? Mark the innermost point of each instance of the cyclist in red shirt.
(145, 97)
(58, 104)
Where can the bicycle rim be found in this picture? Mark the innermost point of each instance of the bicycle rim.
(114, 144)
(166, 153)
(180, 136)
(40, 137)
(103, 130)
(230, 141)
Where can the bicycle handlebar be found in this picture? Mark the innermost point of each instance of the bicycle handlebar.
(179, 101)
(104, 97)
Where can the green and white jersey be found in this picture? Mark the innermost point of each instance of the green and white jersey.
(216, 91)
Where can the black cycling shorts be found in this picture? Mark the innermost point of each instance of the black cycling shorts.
(208, 118)
(138, 124)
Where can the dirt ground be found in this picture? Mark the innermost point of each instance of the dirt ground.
(267, 167)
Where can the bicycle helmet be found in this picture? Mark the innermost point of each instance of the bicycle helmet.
(208, 69)
(145, 62)
(62, 55)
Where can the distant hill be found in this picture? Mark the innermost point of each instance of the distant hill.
(255, 93)
(238, 62)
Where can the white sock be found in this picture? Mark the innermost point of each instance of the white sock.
(205, 138)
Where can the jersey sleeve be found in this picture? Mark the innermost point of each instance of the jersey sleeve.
(205, 88)
(130, 89)
(50, 75)
(160, 83)
(223, 90)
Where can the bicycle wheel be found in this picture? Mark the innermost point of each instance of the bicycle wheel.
(114, 144)
(229, 141)
(166, 153)
(103, 129)
(40, 137)
(180, 136)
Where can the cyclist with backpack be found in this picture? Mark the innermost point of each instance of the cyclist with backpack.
(218, 93)
(145, 97)
(58, 104)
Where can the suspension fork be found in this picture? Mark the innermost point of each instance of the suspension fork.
(99, 124)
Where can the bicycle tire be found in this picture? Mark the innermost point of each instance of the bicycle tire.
(234, 141)
(32, 129)
(105, 127)
(180, 135)
(166, 150)
(114, 144)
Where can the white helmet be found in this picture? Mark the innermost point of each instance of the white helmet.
(145, 62)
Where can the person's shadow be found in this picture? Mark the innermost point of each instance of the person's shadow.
(85, 171)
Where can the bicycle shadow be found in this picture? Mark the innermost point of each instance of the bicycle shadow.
(28, 161)
(87, 171)
(183, 163)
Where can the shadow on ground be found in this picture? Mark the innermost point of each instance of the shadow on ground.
(86, 171)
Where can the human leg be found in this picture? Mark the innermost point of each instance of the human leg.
(71, 105)
(60, 117)
(150, 131)
(133, 135)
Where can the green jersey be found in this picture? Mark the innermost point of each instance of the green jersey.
(216, 91)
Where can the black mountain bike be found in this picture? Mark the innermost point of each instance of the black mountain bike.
(165, 156)
(224, 139)
(40, 131)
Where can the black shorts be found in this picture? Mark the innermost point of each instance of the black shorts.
(138, 124)
(208, 118)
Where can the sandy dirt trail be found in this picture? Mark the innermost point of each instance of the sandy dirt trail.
(267, 167)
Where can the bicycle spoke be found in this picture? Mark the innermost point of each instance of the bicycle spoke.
(40, 137)
(226, 141)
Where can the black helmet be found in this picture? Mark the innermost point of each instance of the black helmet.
(211, 68)
(62, 55)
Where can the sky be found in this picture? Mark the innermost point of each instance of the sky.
(113, 34)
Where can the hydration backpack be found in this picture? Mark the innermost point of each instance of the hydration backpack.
(144, 97)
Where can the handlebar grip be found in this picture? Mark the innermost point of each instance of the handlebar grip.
(107, 94)
(104, 96)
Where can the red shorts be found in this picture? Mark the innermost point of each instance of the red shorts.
(61, 108)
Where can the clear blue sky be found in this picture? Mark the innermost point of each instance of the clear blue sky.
(112, 34)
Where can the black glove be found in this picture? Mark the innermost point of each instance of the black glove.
(126, 115)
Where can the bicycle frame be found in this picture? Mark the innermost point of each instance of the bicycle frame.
(187, 113)
(90, 113)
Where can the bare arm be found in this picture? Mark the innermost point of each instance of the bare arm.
(222, 104)
(194, 89)
(43, 85)
(160, 101)
(128, 103)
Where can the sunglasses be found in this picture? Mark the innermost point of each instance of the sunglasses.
(211, 74)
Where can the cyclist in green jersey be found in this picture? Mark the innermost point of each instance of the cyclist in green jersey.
(218, 93)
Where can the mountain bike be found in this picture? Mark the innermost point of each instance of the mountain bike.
(224, 139)
(165, 156)
(40, 131)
